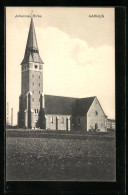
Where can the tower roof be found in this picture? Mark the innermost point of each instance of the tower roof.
(32, 51)
(32, 42)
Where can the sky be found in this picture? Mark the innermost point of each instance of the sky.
(78, 52)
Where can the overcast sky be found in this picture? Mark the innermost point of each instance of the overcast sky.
(78, 53)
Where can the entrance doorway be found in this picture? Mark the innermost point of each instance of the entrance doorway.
(96, 126)
(36, 125)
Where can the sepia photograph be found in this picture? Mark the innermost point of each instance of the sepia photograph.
(60, 94)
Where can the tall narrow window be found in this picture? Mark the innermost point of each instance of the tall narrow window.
(33, 84)
(35, 111)
(39, 76)
(96, 113)
(39, 92)
(39, 84)
(51, 119)
(32, 76)
(62, 121)
(33, 99)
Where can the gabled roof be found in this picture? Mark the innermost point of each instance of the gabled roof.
(58, 105)
(67, 105)
(83, 105)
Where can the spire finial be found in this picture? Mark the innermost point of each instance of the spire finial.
(31, 13)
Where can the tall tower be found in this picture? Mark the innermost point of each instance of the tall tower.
(30, 101)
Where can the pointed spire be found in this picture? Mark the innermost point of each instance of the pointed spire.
(32, 51)
(32, 42)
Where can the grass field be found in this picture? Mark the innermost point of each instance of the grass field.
(65, 157)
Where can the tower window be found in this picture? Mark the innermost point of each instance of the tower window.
(36, 111)
(39, 76)
(39, 92)
(33, 99)
(32, 76)
(33, 84)
(39, 84)
(36, 66)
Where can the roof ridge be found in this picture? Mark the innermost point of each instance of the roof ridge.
(70, 97)
(61, 96)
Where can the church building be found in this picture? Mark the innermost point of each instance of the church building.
(37, 110)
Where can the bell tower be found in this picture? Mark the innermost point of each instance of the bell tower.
(30, 100)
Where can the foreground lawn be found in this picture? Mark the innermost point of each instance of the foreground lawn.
(43, 159)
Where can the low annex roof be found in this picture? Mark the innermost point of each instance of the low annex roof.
(67, 105)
